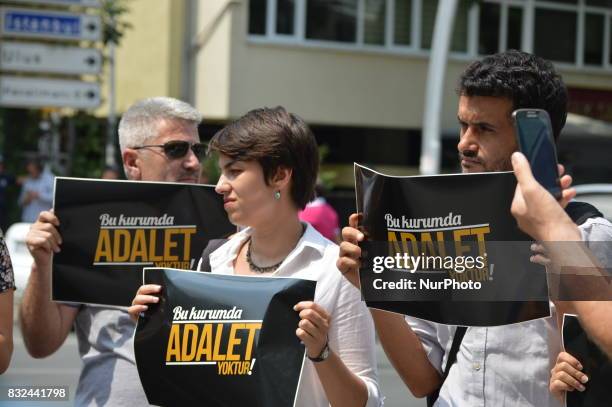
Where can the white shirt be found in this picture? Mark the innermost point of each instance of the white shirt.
(351, 334)
(500, 366)
(506, 365)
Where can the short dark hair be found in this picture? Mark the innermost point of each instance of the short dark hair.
(36, 162)
(274, 138)
(527, 80)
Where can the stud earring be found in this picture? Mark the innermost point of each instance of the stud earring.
(277, 195)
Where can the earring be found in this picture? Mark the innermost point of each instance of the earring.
(277, 195)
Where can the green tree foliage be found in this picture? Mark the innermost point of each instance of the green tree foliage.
(113, 13)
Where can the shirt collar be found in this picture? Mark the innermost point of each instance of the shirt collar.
(226, 254)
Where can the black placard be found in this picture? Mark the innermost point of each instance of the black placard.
(221, 340)
(596, 366)
(458, 256)
(112, 229)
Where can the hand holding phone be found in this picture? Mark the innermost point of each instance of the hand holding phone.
(536, 142)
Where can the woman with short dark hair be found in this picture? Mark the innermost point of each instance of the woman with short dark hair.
(7, 286)
(269, 163)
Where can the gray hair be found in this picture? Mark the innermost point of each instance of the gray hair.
(140, 121)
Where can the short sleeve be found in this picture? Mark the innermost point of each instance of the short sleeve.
(7, 279)
(428, 335)
(597, 235)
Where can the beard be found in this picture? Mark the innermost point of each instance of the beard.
(480, 165)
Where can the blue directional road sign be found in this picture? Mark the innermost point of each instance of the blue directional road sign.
(82, 3)
(30, 23)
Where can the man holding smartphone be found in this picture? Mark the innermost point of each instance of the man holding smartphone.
(535, 139)
(500, 366)
(159, 142)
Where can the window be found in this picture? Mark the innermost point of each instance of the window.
(460, 28)
(428, 19)
(331, 20)
(387, 24)
(489, 24)
(402, 22)
(593, 39)
(285, 10)
(257, 16)
(459, 38)
(599, 3)
(374, 22)
(515, 28)
(571, 32)
(550, 41)
(610, 42)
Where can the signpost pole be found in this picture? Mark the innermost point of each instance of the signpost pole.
(112, 119)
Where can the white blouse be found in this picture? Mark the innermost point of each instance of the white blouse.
(351, 333)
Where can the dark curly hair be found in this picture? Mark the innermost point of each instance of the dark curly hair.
(274, 138)
(527, 80)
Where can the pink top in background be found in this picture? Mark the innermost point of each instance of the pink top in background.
(323, 217)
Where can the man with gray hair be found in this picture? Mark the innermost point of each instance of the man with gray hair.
(159, 142)
(157, 158)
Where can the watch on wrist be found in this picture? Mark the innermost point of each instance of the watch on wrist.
(322, 356)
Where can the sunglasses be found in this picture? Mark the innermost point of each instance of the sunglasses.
(176, 149)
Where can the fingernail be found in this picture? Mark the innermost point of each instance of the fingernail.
(156, 299)
(360, 236)
(581, 388)
(295, 308)
(514, 157)
(579, 366)
(584, 379)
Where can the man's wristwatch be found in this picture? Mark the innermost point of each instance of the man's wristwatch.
(322, 356)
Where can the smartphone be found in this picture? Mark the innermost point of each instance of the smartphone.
(535, 139)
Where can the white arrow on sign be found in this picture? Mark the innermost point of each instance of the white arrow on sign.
(30, 57)
(82, 3)
(36, 92)
(31, 23)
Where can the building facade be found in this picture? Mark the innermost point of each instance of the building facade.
(354, 69)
